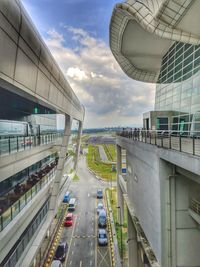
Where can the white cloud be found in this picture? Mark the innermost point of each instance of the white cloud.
(109, 96)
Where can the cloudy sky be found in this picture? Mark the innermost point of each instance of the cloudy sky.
(77, 34)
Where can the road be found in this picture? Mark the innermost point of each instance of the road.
(102, 153)
(82, 237)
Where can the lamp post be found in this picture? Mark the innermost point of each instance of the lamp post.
(120, 216)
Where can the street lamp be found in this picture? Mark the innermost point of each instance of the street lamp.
(120, 216)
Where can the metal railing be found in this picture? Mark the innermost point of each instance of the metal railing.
(180, 141)
(16, 208)
(13, 144)
(195, 206)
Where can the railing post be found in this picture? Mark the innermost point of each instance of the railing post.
(11, 213)
(180, 142)
(170, 141)
(150, 137)
(1, 223)
(9, 147)
(161, 139)
(193, 145)
(17, 143)
(156, 138)
(145, 136)
(24, 143)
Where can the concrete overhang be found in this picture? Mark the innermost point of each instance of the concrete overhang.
(141, 32)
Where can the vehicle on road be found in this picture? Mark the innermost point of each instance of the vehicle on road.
(67, 197)
(69, 219)
(72, 204)
(56, 263)
(100, 207)
(99, 193)
(102, 237)
(102, 219)
(61, 252)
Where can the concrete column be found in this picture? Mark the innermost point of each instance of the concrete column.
(120, 200)
(132, 243)
(60, 166)
(78, 144)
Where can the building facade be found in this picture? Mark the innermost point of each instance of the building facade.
(33, 151)
(158, 42)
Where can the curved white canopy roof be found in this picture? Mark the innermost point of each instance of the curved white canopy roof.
(142, 31)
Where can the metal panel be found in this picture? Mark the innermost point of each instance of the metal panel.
(26, 49)
(43, 84)
(7, 54)
(26, 71)
(11, 11)
(30, 36)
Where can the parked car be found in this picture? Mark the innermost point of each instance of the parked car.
(72, 204)
(61, 252)
(102, 219)
(100, 207)
(102, 237)
(69, 219)
(56, 263)
(67, 197)
(99, 193)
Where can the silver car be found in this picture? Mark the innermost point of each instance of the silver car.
(102, 237)
(100, 207)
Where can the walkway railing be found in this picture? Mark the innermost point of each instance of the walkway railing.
(13, 144)
(16, 208)
(195, 206)
(180, 141)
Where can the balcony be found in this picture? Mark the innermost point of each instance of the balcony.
(13, 144)
(24, 193)
(175, 140)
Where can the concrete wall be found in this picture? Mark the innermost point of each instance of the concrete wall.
(160, 194)
(28, 66)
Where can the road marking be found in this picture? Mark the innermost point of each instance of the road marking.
(70, 263)
(71, 240)
(88, 195)
(74, 243)
(80, 263)
(90, 263)
(72, 252)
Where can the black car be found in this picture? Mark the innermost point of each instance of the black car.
(61, 252)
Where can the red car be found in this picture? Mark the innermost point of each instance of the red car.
(69, 219)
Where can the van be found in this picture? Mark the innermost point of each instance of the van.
(72, 204)
(67, 197)
(102, 219)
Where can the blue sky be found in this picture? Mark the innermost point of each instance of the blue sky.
(77, 34)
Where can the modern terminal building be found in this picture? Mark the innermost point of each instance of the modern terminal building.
(34, 162)
(158, 41)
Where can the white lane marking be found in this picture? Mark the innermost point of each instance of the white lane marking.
(91, 244)
(90, 263)
(71, 240)
(74, 243)
(72, 252)
(88, 194)
(70, 263)
(91, 253)
(80, 263)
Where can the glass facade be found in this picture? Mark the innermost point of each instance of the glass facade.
(178, 87)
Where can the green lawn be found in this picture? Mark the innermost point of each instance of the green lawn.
(113, 200)
(76, 178)
(104, 170)
(110, 152)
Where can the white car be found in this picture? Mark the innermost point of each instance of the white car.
(56, 263)
(100, 207)
(102, 237)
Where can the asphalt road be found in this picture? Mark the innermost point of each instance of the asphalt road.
(82, 236)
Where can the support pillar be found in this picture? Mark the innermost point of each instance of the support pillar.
(60, 166)
(132, 243)
(120, 200)
(78, 144)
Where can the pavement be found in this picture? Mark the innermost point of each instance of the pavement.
(102, 153)
(83, 249)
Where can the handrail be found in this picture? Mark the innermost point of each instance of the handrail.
(183, 141)
(16, 208)
(13, 144)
